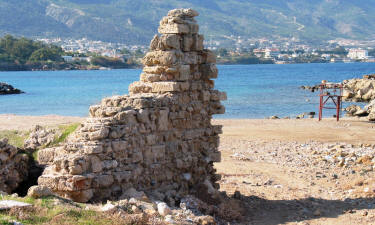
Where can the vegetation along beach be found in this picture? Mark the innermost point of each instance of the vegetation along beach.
(187, 112)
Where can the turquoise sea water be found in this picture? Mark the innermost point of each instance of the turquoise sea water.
(254, 91)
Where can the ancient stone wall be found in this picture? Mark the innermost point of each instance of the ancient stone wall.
(158, 139)
(13, 167)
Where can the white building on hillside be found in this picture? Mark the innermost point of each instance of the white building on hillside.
(357, 54)
(271, 53)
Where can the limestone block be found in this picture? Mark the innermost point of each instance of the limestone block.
(209, 70)
(184, 73)
(206, 96)
(137, 157)
(174, 28)
(39, 191)
(194, 28)
(118, 146)
(139, 87)
(127, 117)
(103, 181)
(110, 164)
(154, 44)
(183, 13)
(81, 196)
(122, 176)
(93, 149)
(198, 43)
(162, 121)
(47, 155)
(151, 139)
(154, 69)
(170, 41)
(190, 58)
(171, 70)
(158, 152)
(164, 58)
(93, 109)
(96, 164)
(75, 170)
(184, 86)
(142, 103)
(208, 57)
(160, 87)
(150, 77)
(187, 42)
(143, 116)
(100, 134)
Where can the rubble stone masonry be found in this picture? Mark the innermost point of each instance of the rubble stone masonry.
(158, 139)
(13, 167)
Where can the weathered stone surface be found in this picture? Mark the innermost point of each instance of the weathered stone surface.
(39, 191)
(8, 204)
(161, 87)
(158, 140)
(13, 167)
(40, 136)
(163, 209)
(360, 90)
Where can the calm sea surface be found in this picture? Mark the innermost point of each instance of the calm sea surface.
(254, 91)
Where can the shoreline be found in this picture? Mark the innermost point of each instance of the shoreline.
(348, 130)
(140, 67)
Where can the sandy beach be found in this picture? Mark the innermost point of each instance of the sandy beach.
(287, 171)
(24, 123)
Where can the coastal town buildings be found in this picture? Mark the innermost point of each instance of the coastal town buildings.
(280, 50)
(357, 54)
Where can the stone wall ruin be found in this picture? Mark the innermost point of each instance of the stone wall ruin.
(13, 167)
(158, 139)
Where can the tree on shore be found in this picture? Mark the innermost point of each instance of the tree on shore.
(23, 50)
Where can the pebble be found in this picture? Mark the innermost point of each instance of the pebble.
(163, 209)
(109, 207)
(169, 219)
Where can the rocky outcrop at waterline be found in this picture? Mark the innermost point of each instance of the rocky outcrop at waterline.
(356, 90)
(7, 89)
(158, 139)
(359, 90)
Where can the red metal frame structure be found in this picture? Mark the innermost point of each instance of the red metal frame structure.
(325, 95)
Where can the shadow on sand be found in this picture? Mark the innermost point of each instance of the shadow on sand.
(271, 212)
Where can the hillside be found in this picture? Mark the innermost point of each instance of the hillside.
(130, 21)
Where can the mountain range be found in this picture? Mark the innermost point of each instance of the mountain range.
(136, 21)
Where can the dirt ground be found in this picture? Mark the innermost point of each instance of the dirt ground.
(287, 171)
(23, 123)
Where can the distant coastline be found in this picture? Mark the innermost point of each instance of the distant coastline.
(58, 67)
(68, 66)
(22, 54)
